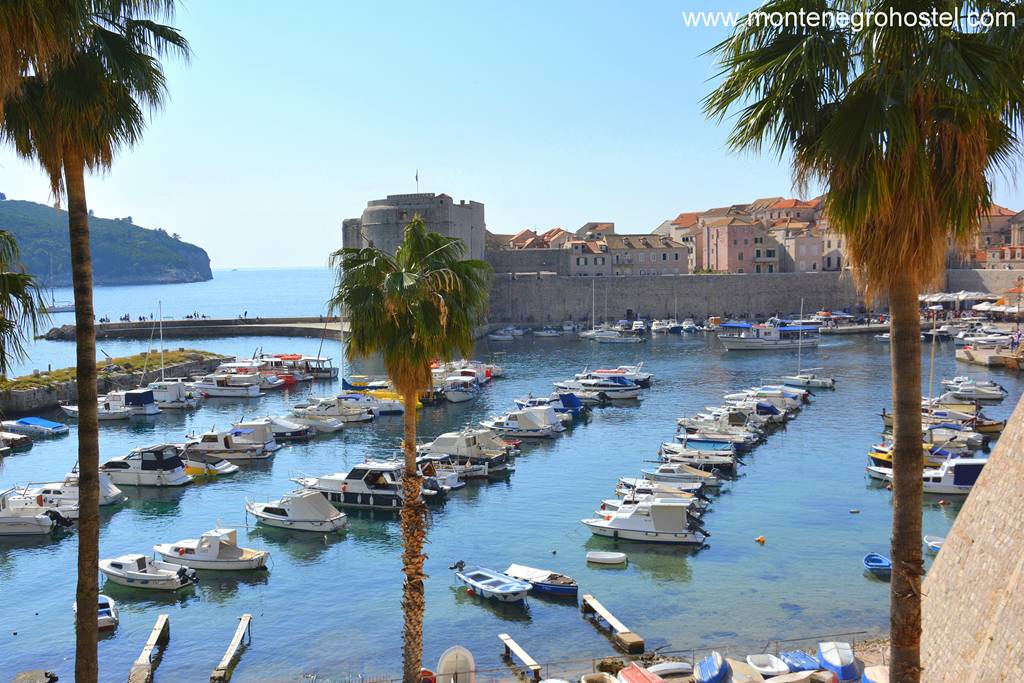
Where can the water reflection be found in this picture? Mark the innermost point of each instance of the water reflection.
(506, 611)
(221, 586)
(154, 501)
(663, 563)
(140, 599)
(304, 546)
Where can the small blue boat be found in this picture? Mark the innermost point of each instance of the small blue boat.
(878, 565)
(544, 581)
(838, 658)
(712, 669)
(798, 660)
(35, 426)
(934, 543)
(490, 584)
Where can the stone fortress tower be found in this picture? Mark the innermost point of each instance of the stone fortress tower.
(384, 220)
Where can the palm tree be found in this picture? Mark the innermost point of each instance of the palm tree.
(415, 307)
(75, 114)
(902, 126)
(34, 33)
(21, 303)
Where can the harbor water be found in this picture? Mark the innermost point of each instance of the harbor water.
(331, 604)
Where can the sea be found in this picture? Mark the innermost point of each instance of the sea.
(329, 606)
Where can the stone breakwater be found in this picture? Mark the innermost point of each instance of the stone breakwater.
(311, 326)
(14, 402)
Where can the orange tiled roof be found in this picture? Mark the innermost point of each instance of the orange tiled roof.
(996, 210)
(791, 204)
(686, 220)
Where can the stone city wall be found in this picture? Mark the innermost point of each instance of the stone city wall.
(994, 281)
(545, 299)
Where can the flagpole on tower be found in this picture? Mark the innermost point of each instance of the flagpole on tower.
(417, 181)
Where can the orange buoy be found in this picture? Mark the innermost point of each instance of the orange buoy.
(759, 540)
(470, 591)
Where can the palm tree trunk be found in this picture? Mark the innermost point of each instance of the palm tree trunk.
(86, 665)
(414, 533)
(907, 488)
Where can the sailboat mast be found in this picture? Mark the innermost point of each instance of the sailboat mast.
(593, 304)
(800, 340)
(931, 364)
(160, 317)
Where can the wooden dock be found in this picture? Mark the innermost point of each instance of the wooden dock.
(514, 648)
(243, 636)
(990, 358)
(143, 668)
(630, 642)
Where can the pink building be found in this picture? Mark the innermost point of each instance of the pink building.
(730, 245)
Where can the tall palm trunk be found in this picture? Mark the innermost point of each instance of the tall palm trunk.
(86, 665)
(907, 493)
(414, 532)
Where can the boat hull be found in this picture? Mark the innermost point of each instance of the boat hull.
(27, 525)
(600, 528)
(258, 562)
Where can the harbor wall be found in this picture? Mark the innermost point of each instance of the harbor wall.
(544, 298)
(973, 595)
(994, 281)
(310, 326)
(17, 402)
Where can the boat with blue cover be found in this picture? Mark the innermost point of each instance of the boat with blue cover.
(934, 543)
(490, 584)
(798, 660)
(712, 669)
(878, 565)
(35, 426)
(771, 335)
(838, 658)
(544, 581)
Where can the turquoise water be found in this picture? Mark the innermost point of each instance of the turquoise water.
(332, 605)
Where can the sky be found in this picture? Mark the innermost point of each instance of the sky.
(290, 117)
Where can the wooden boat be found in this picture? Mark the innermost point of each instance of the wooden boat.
(107, 616)
(544, 581)
(934, 543)
(875, 674)
(712, 669)
(838, 658)
(878, 565)
(768, 664)
(798, 660)
(138, 571)
(490, 584)
(215, 549)
(743, 672)
(598, 557)
(634, 673)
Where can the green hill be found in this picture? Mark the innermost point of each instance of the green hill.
(122, 253)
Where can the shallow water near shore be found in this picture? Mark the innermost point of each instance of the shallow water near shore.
(332, 604)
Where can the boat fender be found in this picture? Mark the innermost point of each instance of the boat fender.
(470, 591)
(344, 488)
(181, 551)
(39, 500)
(427, 676)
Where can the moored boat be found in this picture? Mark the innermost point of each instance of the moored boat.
(215, 549)
(659, 520)
(491, 584)
(712, 669)
(544, 581)
(157, 465)
(138, 571)
(107, 614)
(300, 510)
(600, 557)
(838, 658)
(35, 426)
(934, 543)
(878, 565)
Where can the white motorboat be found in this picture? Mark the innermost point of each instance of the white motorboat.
(62, 496)
(885, 337)
(610, 387)
(228, 445)
(955, 476)
(569, 326)
(137, 401)
(301, 510)
(633, 373)
(536, 422)
(334, 407)
(491, 584)
(503, 334)
(199, 464)
(965, 388)
(224, 385)
(259, 432)
(459, 389)
(378, 405)
(247, 372)
(35, 426)
(615, 337)
(479, 451)
(105, 412)
(681, 472)
(631, 487)
(373, 485)
(705, 459)
(772, 335)
(695, 507)
(809, 379)
(443, 470)
(138, 571)
(322, 424)
(689, 325)
(662, 326)
(19, 520)
(286, 429)
(660, 520)
(157, 465)
(547, 332)
(215, 549)
(107, 614)
(319, 367)
(175, 394)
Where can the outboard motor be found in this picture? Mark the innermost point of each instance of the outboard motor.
(59, 519)
(458, 566)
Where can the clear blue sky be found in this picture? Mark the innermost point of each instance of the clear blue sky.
(291, 116)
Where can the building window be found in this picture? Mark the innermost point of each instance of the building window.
(828, 261)
(770, 253)
(771, 268)
(640, 257)
(814, 266)
(739, 270)
(828, 244)
(757, 253)
(739, 257)
(746, 241)
(579, 261)
(757, 269)
(839, 244)
(675, 256)
(664, 256)
(735, 242)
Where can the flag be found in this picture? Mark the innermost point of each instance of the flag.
(417, 175)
